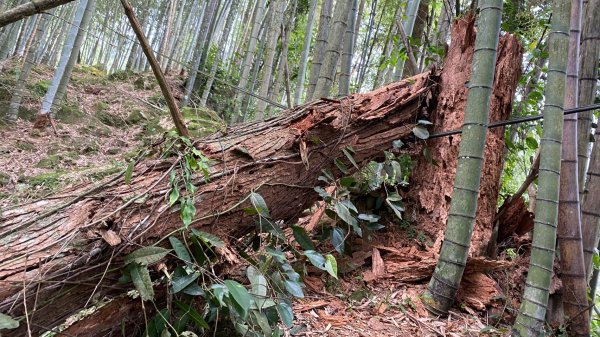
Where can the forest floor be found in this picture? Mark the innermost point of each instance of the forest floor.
(105, 122)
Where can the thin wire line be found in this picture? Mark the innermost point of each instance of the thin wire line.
(518, 120)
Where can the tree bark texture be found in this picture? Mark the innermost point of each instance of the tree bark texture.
(64, 255)
(27, 9)
(434, 182)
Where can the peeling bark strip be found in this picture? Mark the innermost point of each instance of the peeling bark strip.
(432, 187)
(56, 248)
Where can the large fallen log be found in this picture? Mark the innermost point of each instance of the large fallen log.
(58, 253)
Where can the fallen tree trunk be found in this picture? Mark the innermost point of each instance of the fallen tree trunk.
(58, 253)
(27, 9)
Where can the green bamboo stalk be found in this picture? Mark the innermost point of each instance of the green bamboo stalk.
(451, 264)
(530, 321)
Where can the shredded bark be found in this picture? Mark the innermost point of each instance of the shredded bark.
(434, 177)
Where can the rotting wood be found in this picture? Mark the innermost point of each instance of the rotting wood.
(433, 176)
(62, 257)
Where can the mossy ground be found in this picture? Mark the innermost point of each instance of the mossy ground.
(101, 123)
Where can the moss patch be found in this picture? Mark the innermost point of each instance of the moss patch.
(135, 117)
(4, 179)
(69, 113)
(25, 146)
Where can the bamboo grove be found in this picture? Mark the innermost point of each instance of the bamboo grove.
(248, 60)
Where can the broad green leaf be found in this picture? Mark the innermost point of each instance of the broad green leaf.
(180, 249)
(240, 295)
(129, 172)
(322, 193)
(331, 265)
(268, 226)
(420, 132)
(180, 283)
(165, 333)
(374, 226)
(188, 211)
(302, 238)
(285, 313)
(219, 291)
(397, 144)
(173, 196)
(263, 322)
(209, 239)
(294, 288)
(347, 181)
(147, 255)
(350, 205)
(194, 290)
(194, 315)
(140, 276)
(531, 143)
(257, 280)
(7, 322)
(259, 204)
(369, 217)
(316, 259)
(276, 253)
(338, 235)
(341, 209)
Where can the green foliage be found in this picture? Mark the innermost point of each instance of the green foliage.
(7, 322)
(40, 88)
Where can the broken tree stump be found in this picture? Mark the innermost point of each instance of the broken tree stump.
(433, 177)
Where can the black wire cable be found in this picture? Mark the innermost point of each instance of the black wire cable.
(517, 120)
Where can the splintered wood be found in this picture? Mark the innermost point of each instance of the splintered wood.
(77, 239)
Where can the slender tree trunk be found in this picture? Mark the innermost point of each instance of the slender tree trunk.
(320, 45)
(382, 72)
(305, 52)
(30, 61)
(408, 26)
(191, 82)
(531, 318)
(348, 52)
(283, 58)
(160, 78)
(249, 59)
(446, 278)
(220, 53)
(332, 53)
(417, 33)
(574, 292)
(74, 53)
(590, 201)
(273, 34)
(444, 21)
(62, 69)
